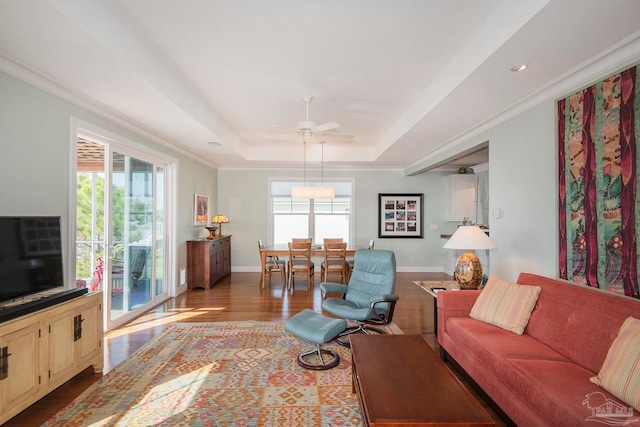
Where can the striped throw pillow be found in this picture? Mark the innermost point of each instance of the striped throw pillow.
(506, 305)
(620, 372)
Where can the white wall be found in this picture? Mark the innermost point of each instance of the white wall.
(35, 152)
(243, 198)
(523, 185)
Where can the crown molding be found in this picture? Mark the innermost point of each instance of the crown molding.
(616, 58)
(46, 83)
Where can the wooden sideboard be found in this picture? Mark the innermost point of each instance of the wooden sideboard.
(207, 261)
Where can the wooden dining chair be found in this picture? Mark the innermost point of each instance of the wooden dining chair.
(329, 240)
(335, 261)
(350, 260)
(300, 262)
(333, 240)
(301, 240)
(274, 265)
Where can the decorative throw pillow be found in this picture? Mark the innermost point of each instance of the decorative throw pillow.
(506, 305)
(620, 372)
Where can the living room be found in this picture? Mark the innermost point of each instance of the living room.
(523, 181)
(36, 166)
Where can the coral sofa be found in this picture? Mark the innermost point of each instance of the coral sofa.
(542, 377)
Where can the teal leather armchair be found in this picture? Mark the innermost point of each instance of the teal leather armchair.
(369, 297)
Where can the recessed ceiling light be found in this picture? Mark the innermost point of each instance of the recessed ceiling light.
(215, 143)
(520, 67)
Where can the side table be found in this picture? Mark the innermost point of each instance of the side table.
(432, 287)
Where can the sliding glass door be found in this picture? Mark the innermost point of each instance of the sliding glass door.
(121, 227)
(132, 234)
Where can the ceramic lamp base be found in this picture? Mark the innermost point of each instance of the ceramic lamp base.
(468, 271)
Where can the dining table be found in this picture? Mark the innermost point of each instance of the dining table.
(282, 249)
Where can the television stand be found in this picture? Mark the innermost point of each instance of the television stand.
(42, 350)
(9, 312)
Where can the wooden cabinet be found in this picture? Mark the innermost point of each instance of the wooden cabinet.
(42, 350)
(20, 373)
(61, 345)
(74, 339)
(90, 334)
(460, 196)
(208, 261)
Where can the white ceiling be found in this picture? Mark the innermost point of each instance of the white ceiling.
(406, 77)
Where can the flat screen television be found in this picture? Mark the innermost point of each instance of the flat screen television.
(30, 256)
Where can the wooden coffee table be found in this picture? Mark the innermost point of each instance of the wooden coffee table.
(401, 381)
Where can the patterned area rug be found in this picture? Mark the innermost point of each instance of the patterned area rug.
(219, 374)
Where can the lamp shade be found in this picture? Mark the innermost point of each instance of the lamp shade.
(219, 219)
(313, 192)
(470, 237)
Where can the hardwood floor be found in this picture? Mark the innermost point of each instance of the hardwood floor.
(236, 297)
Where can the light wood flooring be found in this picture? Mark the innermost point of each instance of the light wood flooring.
(236, 297)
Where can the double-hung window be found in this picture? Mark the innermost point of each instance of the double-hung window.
(315, 218)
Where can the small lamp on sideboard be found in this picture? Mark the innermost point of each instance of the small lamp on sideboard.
(468, 271)
(220, 219)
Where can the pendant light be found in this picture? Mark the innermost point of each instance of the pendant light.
(310, 191)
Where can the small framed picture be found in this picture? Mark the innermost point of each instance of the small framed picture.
(200, 210)
(400, 215)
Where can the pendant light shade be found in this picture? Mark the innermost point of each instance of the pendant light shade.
(312, 191)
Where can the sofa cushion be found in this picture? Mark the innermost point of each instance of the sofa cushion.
(506, 305)
(620, 372)
(558, 390)
(490, 344)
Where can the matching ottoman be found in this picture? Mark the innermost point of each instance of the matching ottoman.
(318, 329)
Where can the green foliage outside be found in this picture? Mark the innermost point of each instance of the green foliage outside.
(84, 222)
(140, 219)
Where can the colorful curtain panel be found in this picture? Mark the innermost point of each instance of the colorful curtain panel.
(599, 203)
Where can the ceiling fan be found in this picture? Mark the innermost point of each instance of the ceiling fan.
(311, 130)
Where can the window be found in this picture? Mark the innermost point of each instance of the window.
(317, 219)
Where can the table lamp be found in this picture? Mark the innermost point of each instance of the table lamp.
(468, 271)
(220, 219)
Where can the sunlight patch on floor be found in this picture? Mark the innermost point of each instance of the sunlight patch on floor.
(153, 320)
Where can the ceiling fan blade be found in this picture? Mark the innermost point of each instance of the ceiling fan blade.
(327, 126)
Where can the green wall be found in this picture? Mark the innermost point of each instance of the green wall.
(243, 198)
(35, 153)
